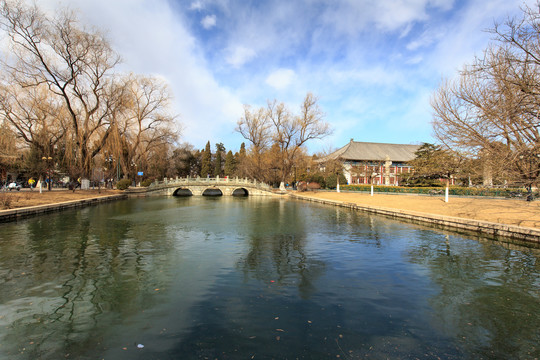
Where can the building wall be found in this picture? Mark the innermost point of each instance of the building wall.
(378, 173)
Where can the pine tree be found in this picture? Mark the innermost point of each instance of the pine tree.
(243, 150)
(230, 164)
(240, 162)
(218, 162)
(206, 161)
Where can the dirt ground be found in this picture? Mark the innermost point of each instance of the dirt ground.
(25, 197)
(505, 211)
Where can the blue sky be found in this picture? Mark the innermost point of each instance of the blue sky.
(373, 64)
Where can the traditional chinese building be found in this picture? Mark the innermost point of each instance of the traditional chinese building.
(374, 163)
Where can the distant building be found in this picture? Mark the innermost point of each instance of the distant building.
(373, 163)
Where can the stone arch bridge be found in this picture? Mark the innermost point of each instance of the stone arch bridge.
(208, 186)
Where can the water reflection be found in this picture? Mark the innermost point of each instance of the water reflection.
(488, 293)
(266, 278)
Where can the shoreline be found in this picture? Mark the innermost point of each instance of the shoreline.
(346, 200)
(29, 211)
(521, 233)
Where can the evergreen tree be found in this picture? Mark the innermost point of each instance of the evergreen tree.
(230, 164)
(242, 150)
(206, 161)
(218, 162)
(240, 161)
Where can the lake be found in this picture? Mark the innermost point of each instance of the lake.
(242, 278)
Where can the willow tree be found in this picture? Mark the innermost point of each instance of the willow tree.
(74, 66)
(143, 124)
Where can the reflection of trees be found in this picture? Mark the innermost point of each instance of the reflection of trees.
(278, 238)
(489, 294)
(79, 270)
(277, 241)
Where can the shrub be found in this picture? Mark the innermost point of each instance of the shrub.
(5, 201)
(453, 190)
(147, 182)
(313, 186)
(123, 184)
(331, 181)
(315, 178)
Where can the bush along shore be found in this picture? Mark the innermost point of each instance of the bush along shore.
(453, 190)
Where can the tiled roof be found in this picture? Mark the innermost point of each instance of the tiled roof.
(366, 151)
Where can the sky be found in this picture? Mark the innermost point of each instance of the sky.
(372, 64)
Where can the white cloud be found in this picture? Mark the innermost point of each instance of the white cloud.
(281, 78)
(153, 41)
(414, 60)
(464, 38)
(209, 21)
(352, 16)
(427, 38)
(196, 5)
(239, 55)
(368, 61)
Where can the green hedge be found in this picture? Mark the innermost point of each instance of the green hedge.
(453, 190)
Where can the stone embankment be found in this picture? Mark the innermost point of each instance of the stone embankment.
(18, 213)
(526, 234)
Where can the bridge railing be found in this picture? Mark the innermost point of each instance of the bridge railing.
(233, 181)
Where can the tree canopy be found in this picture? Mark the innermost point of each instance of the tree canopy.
(491, 111)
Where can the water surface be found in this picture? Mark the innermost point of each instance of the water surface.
(241, 278)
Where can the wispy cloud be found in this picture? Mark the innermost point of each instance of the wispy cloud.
(280, 78)
(239, 55)
(209, 21)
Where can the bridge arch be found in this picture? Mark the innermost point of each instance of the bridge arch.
(213, 191)
(240, 192)
(182, 192)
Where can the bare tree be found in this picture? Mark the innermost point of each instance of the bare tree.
(60, 93)
(254, 126)
(277, 129)
(37, 119)
(143, 124)
(291, 132)
(492, 110)
(73, 63)
(8, 151)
